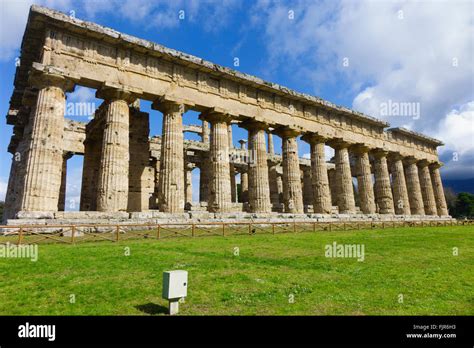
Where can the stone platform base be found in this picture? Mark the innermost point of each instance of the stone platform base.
(155, 217)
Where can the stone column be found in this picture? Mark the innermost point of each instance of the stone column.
(319, 175)
(438, 190)
(273, 183)
(259, 187)
(205, 132)
(188, 175)
(112, 185)
(244, 185)
(271, 148)
(383, 190)
(343, 178)
(45, 150)
(62, 190)
(399, 187)
(364, 180)
(171, 194)
(156, 170)
(427, 188)
(307, 186)
(413, 187)
(292, 191)
(233, 185)
(332, 186)
(219, 193)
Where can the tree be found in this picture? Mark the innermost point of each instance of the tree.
(465, 205)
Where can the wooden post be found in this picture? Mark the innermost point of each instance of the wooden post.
(250, 228)
(193, 230)
(73, 232)
(314, 226)
(294, 226)
(330, 226)
(273, 228)
(223, 229)
(158, 232)
(117, 233)
(344, 225)
(20, 236)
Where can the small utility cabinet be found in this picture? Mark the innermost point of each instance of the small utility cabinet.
(175, 287)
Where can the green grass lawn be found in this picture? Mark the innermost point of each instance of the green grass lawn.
(417, 263)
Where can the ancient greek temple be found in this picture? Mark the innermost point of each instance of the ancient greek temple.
(377, 172)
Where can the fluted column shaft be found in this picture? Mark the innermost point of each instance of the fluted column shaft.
(427, 188)
(364, 181)
(259, 187)
(62, 190)
(273, 183)
(399, 187)
(45, 151)
(112, 188)
(292, 190)
(343, 177)
(438, 190)
(321, 192)
(171, 193)
(271, 148)
(188, 175)
(205, 132)
(383, 190)
(244, 186)
(307, 187)
(413, 187)
(219, 193)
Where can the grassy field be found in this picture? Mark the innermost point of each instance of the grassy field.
(283, 274)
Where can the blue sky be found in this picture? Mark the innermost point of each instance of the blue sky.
(357, 54)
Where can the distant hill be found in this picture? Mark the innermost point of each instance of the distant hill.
(466, 185)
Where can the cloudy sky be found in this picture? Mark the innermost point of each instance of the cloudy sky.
(360, 54)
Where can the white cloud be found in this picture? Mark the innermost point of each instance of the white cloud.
(421, 55)
(3, 188)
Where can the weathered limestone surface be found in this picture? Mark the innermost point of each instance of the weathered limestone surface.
(244, 182)
(343, 179)
(413, 187)
(364, 180)
(427, 188)
(45, 153)
(399, 187)
(383, 191)
(171, 194)
(319, 175)
(112, 186)
(438, 190)
(292, 194)
(188, 176)
(259, 187)
(219, 193)
(62, 189)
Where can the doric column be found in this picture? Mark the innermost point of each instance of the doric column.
(62, 189)
(171, 193)
(343, 178)
(438, 190)
(219, 193)
(399, 187)
(205, 132)
(244, 185)
(383, 190)
(188, 179)
(273, 183)
(259, 187)
(156, 182)
(292, 190)
(427, 188)
(321, 193)
(364, 179)
(271, 148)
(45, 150)
(112, 186)
(332, 185)
(233, 185)
(413, 187)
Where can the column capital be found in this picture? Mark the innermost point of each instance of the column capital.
(360, 148)
(254, 124)
(410, 160)
(40, 79)
(215, 115)
(167, 104)
(338, 143)
(313, 138)
(288, 132)
(379, 153)
(436, 165)
(423, 163)
(395, 156)
(242, 143)
(109, 93)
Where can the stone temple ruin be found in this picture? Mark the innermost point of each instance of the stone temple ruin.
(129, 176)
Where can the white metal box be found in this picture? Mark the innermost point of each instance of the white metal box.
(175, 284)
